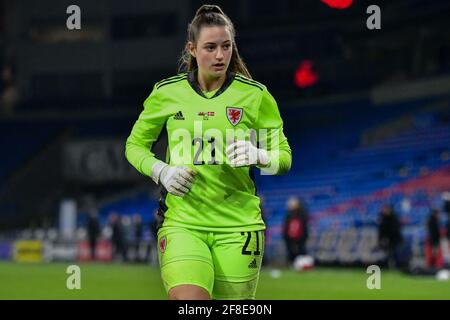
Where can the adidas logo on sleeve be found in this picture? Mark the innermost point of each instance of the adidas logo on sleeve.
(178, 116)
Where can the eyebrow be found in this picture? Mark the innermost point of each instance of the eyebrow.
(216, 43)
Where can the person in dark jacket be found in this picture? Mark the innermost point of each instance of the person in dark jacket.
(93, 231)
(446, 209)
(295, 230)
(434, 237)
(118, 237)
(389, 235)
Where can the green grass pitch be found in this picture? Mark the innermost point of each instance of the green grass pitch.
(126, 281)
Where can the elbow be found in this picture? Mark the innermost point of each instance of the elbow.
(285, 168)
(278, 167)
(285, 163)
(128, 147)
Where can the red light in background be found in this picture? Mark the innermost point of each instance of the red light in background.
(338, 4)
(304, 75)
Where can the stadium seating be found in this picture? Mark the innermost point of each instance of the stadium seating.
(347, 193)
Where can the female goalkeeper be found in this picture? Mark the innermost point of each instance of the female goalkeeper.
(211, 238)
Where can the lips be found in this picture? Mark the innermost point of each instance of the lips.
(218, 66)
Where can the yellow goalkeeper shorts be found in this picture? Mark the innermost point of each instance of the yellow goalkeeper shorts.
(227, 265)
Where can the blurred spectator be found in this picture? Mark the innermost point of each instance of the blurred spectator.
(93, 231)
(8, 92)
(138, 234)
(389, 235)
(446, 199)
(448, 227)
(295, 230)
(127, 232)
(434, 237)
(117, 238)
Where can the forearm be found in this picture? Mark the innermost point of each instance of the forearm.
(141, 157)
(280, 155)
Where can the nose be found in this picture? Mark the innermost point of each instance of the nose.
(219, 54)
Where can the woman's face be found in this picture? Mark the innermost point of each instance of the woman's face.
(213, 51)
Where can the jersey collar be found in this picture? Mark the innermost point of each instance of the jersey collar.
(192, 79)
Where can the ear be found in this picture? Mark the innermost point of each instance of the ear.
(192, 49)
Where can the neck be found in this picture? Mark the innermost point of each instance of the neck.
(210, 83)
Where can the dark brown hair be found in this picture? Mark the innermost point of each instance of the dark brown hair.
(211, 15)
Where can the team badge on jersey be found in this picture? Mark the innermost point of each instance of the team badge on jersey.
(234, 115)
(162, 244)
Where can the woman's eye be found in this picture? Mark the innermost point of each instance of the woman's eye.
(210, 48)
(227, 46)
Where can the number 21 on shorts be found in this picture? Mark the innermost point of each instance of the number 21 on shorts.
(245, 250)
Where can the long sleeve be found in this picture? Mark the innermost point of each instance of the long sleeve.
(145, 132)
(271, 137)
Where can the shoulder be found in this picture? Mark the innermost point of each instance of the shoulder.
(165, 88)
(249, 82)
(170, 81)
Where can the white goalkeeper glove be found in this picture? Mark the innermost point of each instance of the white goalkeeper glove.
(244, 153)
(176, 179)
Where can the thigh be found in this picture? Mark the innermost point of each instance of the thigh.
(184, 258)
(237, 261)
